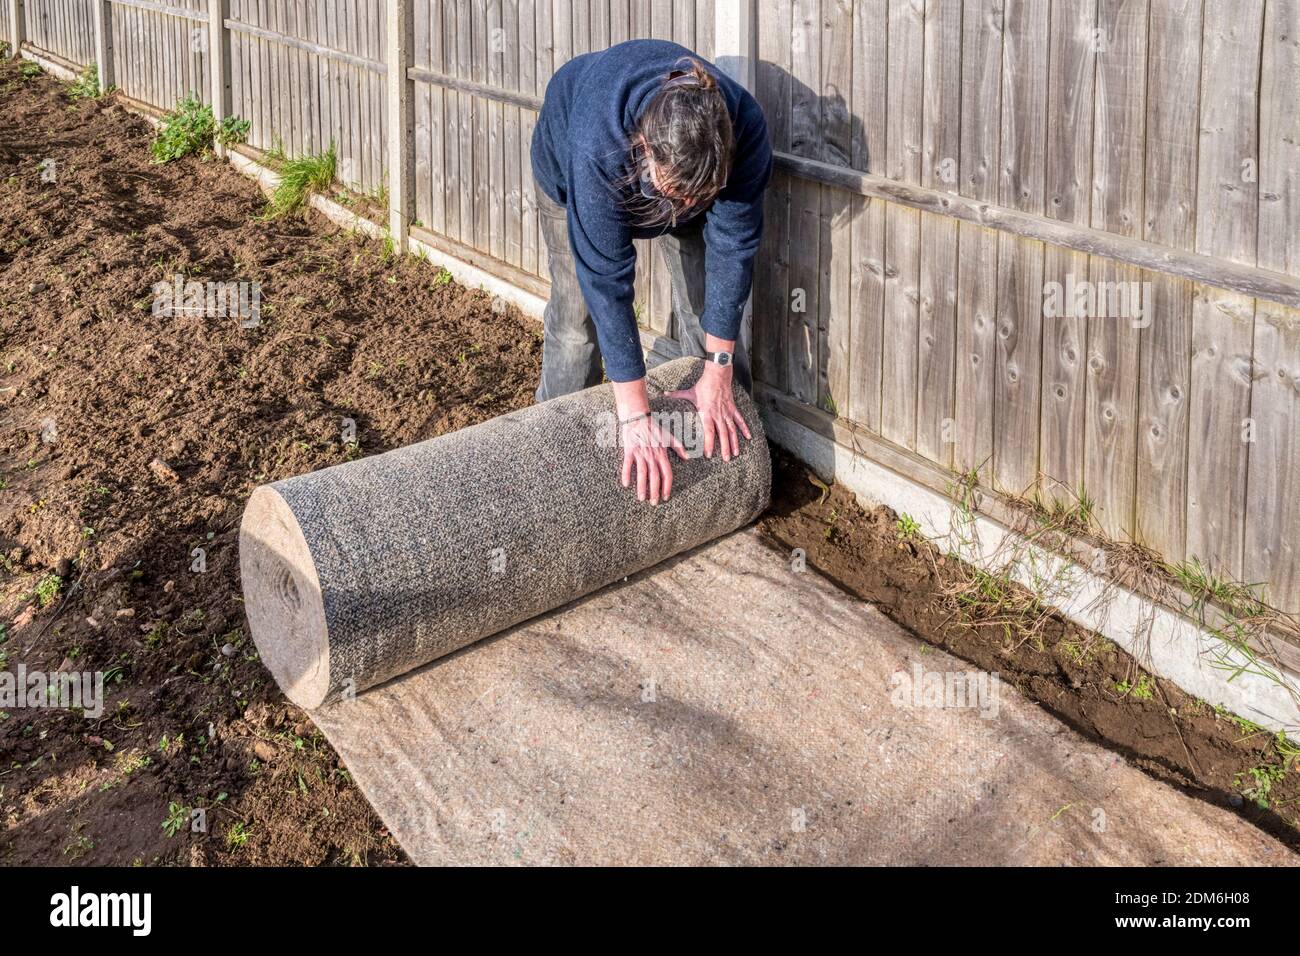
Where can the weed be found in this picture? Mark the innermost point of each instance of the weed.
(442, 277)
(177, 817)
(79, 847)
(1071, 512)
(301, 176)
(30, 70)
(232, 130)
(1081, 650)
(187, 129)
(156, 635)
(238, 835)
(1205, 587)
(1144, 689)
(47, 589)
(1257, 783)
(86, 86)
(909, 529)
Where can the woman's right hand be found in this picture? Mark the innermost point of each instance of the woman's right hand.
(645, 458)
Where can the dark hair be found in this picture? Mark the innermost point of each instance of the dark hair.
(685, 133)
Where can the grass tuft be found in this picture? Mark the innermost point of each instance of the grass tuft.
(300, 177)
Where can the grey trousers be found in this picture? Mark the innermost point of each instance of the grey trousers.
(570, 352)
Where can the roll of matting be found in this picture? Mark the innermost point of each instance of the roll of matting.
(360, 572)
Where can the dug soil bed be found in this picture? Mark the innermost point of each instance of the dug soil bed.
(1087, 681)
(131, 442)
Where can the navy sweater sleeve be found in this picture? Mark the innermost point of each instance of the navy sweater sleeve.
(580, 150)
(605, 258)
(733, 227)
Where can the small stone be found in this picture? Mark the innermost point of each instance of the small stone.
(163, 471)
(93, 623)
(39, 287)
(124, 613)
(169, 587)
(63, 568)
(228, 650)
(263, 751)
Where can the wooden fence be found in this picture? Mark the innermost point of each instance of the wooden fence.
(944, 167)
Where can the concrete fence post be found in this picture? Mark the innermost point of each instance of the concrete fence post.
(17, 25)
(401, 121)
(735, 52)
(735, 40)
(219, 64)
(103, 24)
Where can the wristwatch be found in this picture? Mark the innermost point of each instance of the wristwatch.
(719, 358)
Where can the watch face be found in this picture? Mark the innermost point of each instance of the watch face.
(724, 358)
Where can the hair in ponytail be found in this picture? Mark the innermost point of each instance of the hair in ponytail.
(685, 136)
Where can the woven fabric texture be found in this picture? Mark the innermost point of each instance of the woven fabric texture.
(426, 549)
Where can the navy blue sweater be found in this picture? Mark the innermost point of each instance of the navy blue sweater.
(580, 156)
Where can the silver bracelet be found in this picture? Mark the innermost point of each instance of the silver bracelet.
(633, 419)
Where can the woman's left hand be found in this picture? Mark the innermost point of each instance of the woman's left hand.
(719, 417)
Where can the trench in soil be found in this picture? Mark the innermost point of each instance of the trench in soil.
(131, 442)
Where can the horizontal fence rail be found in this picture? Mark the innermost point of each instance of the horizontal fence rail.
(943, 167)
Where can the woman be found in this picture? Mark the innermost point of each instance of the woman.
(638, 141)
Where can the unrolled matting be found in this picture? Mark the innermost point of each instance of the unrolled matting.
(360, 572)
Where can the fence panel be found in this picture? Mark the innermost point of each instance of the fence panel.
(1172, 413)
(62, 27)
(312, 72)
(160, 50)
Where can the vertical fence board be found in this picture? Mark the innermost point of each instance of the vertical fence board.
(1222, 329)
(1071, 65)
(937, 315)
(978, 247)
(771, 281)
(1110, 442)
(834, 315)
(902, 224)
(1016, 404)
(1279, 140)
(867, 294)
(1272, 533)
(528, 54)
(805, 203)
(1171, 142)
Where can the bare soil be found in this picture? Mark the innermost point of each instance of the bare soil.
(128, 440)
